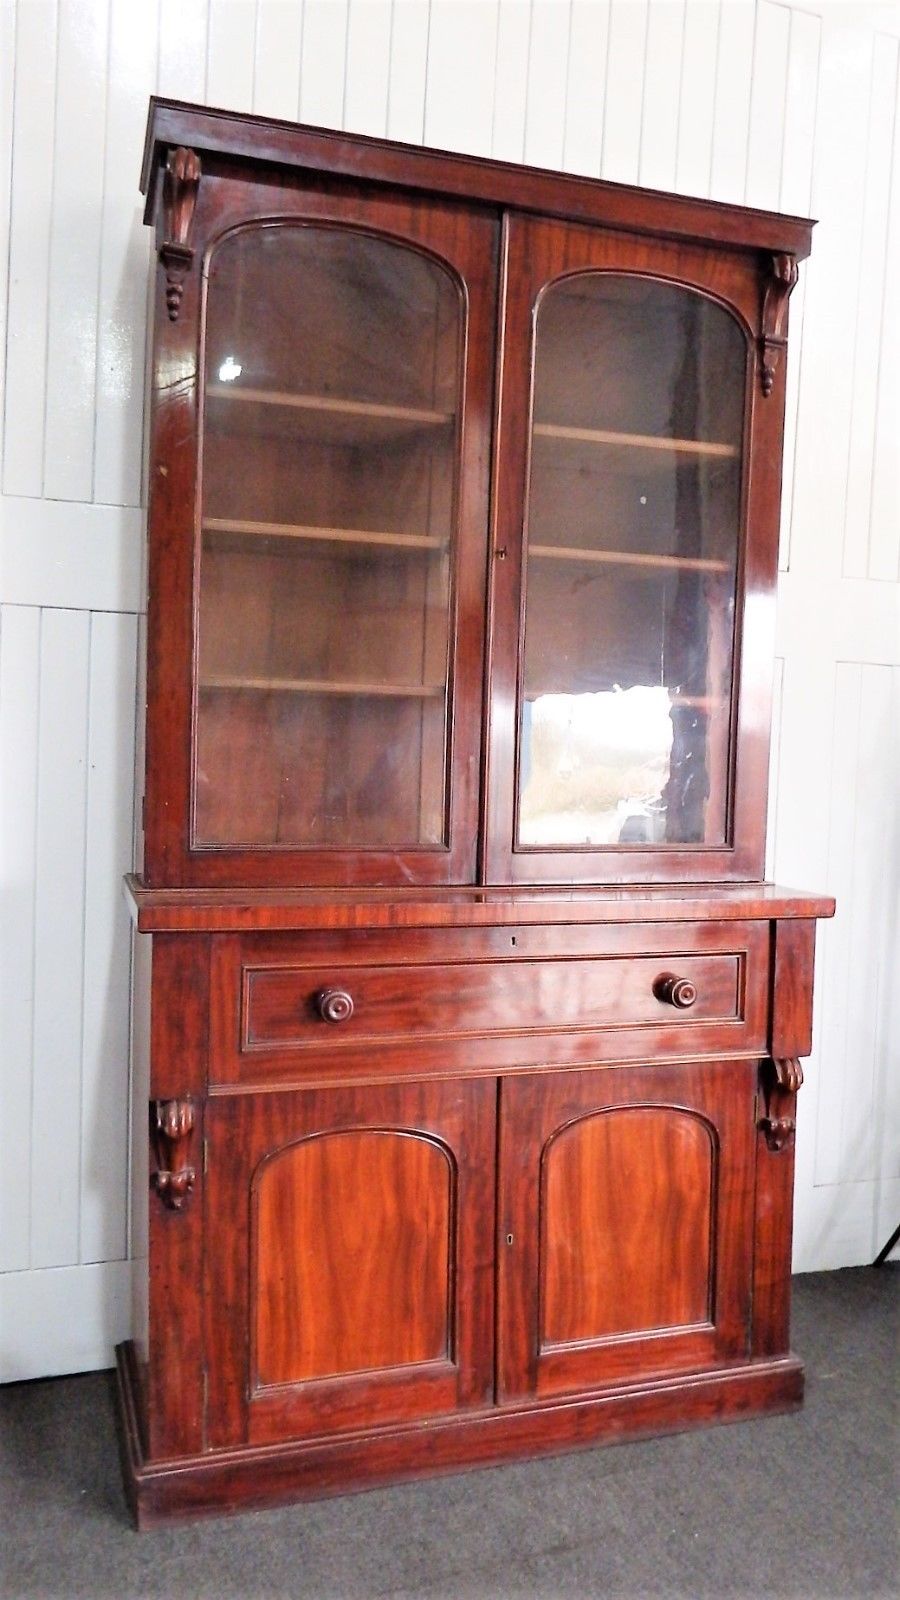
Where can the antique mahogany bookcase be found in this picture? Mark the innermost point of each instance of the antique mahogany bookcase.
(467, 1030)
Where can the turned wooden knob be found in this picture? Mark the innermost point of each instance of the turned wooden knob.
(678, 992)
(334, 1005)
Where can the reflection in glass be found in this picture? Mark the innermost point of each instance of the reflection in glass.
(631, 566)
(329, 446)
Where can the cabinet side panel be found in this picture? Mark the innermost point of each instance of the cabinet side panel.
(140, 1174)
(790, 1036)
(178, 1035)
(772, 1252)
(171, 485)
(792, 989)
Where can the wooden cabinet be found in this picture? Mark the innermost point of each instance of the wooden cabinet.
(467, 1033)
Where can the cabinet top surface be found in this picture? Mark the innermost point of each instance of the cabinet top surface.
(212, 910)
(241, 137)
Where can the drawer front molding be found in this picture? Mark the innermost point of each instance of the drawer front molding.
(315, 1007)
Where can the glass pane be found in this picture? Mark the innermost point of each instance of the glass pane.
(332, 376)
(631, 563)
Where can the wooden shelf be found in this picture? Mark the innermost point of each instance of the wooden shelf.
(627, 558)
(325, 416)
(302, 531)
(239, 682)
(636, 441)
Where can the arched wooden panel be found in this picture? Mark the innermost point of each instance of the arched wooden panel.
(626, 1225)
(353, 1256)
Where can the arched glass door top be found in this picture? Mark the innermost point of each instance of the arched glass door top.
(632, 535)
(332, 397)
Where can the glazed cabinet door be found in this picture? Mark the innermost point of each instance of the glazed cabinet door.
(318, 568)
(624, 1224)
(349, 1260)
(629, 536)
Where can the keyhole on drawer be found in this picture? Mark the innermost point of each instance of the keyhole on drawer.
(513, 939)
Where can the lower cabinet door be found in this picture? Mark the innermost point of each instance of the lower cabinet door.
(349, 1257)
(624, 1224)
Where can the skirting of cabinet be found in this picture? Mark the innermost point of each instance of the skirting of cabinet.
(246, 1477)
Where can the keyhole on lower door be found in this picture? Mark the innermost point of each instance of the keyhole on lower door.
(509, 1238)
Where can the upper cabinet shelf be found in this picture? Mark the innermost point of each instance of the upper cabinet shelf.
(641, 561)
(389, 691)
(325, 417)
(637, 441)
(254, 531)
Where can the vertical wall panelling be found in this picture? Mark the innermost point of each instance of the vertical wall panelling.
(731, 118)
(767, 104)
(588, 43)
(30, 221)
(75, 239)
(868, 331)
(861, 813)
(322, 64)
(232, 53)
(795, 195)
(104, 1045)
(830, 301)
(119, 395)
(801, 95)
(779, 103)
(368, 66)
(837, 1043)
(59, 938)
(624, 90)
(854, 1137)
(662, 93)
(774, 766)
(511, 81)
(459, 97)
(183, 32)
(20, 642)
(884, 540)
(276, 68)
(841, 644)
(548, 63)
(697, 96)
(887, 1075)
(409, 54)
(7, 97)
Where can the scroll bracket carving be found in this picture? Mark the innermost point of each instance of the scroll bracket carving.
(182, 178)
(773, 337)
(781, 1081)
(172, 1124)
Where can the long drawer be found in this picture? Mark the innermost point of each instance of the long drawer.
(285, 1005)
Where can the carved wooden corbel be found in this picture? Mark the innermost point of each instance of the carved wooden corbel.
(781, 1081)
(773, 339)
(173, 1126)
(179, 199)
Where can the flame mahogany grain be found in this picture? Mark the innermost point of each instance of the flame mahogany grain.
(456, 1183)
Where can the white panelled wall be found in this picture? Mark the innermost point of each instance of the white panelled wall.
(779, 105)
